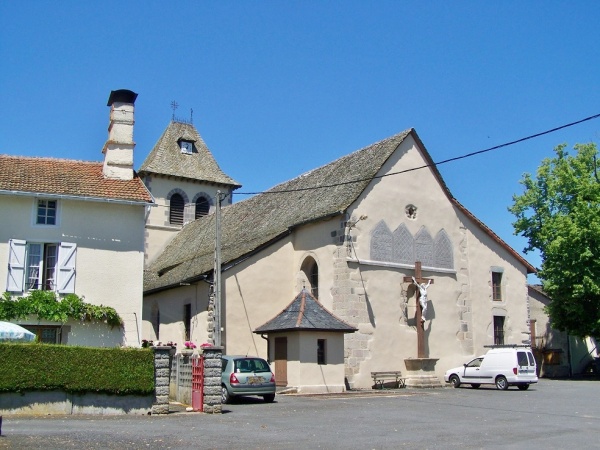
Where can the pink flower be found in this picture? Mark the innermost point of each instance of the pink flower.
(189, 344)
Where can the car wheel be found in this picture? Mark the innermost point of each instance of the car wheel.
(269, 398)
(475, 385)
(523, 387)
(501, 383)
(454, 381)
(225, 395)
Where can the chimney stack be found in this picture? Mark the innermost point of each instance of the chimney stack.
(118, 149)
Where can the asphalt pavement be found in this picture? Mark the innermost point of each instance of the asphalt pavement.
(552, 414)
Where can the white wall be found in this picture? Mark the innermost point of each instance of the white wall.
(110, 243)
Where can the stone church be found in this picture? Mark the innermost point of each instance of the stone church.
(349, 233)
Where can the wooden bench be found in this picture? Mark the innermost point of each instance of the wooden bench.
(380, 378)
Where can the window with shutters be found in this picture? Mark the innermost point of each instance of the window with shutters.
(202, 207)
(41, 266)
(176, 210)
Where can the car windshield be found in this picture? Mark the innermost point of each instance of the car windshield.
(248, 365)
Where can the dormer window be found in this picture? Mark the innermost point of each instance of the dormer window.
(186, 147)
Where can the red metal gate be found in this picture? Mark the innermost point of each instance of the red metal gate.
(198, 383)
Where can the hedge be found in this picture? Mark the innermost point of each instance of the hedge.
(35, 367)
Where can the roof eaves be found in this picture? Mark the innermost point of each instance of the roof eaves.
(78, 197)
(299, 328)
(235, 185)
(469, 214)
(494, 236)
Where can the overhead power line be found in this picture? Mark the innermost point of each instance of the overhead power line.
(456, 158)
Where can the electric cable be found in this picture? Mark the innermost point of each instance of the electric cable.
(456, 158)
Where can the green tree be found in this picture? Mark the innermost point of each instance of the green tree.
(559, 214)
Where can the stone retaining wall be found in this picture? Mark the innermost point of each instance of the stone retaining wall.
(60, 402)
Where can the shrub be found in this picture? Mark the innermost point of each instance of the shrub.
(32, 367)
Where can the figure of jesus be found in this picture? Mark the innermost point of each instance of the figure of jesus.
(423, 297)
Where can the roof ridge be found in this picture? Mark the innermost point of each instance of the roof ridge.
(49, 158)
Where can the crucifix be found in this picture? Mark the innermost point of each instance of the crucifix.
(422, 285)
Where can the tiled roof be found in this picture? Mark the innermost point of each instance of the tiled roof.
(305, 313)
(166, 157)
(256, 222)
(51, 176)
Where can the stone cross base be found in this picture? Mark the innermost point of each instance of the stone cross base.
(420, 373)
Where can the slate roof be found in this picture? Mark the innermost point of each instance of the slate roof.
(538, 288)
(307, 314)
(52, 176)
(166, 157)
(254, 223)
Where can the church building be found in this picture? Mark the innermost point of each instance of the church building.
(352, 233)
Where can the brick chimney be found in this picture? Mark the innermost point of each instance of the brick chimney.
(118, 149)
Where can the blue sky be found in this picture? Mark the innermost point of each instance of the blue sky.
(278, 88)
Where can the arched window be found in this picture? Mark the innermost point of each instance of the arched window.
(202, 207)
(176, 210)
(311, 271)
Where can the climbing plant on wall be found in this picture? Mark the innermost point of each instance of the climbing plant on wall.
(46, 305)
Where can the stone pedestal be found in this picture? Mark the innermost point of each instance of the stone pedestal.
(212, 379)
(420, 373)
(162, 375)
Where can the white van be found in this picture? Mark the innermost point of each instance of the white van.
(502, 365)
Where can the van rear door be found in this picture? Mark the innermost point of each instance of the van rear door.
(525, 364)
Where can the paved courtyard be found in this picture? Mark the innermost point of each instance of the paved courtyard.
(553, 414)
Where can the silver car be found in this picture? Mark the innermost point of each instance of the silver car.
(246, 375)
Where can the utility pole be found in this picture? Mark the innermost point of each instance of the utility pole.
(217, 272)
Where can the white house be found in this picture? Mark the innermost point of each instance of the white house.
(78, 227)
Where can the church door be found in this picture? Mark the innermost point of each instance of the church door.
(281, 361)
